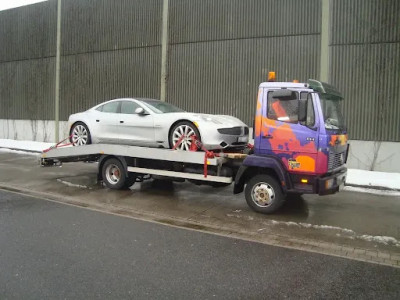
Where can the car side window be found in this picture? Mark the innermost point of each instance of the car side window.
(111, 107)
(283, 110)
(128, 107)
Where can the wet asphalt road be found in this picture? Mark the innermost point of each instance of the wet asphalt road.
(50, 250)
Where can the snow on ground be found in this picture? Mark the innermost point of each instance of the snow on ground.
(373, 179)
(372, 191)
(67, 183)
(24, 145)
(343, 232)
(355, 177)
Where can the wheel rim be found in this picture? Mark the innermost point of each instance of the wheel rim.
(113, 174)
(187, 132)
(79, 135)
(263, 194)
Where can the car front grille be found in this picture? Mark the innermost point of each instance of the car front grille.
(336, 160)
(234, 130)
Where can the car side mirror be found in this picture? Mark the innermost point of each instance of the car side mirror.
(303, 110)
(140, 111)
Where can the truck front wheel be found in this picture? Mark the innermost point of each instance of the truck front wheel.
(264, 194)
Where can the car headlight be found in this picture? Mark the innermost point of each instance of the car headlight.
(210, 119)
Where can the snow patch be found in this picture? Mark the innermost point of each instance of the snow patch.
(386, 240)
(5, 150)
(373, 178)
(371, 191)
(308, 225)
(73, 184)
(346, 233)
(24, 145)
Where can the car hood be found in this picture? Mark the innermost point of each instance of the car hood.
(219, 120)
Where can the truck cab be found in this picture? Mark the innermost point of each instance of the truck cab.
(300, 143)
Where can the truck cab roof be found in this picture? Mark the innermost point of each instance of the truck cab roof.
(291, 85)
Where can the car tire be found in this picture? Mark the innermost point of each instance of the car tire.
(264, 194)
(179, 128)
(80, 134)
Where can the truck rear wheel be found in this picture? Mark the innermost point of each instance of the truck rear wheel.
(264, 194)
(115, 175)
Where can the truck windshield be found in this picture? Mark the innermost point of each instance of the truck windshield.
(331, 109)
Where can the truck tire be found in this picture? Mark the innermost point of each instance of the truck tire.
(114, 175)
(264, 194)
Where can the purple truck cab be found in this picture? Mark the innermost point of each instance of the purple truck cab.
(300, 144)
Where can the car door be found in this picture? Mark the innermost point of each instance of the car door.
(283, 136)
(106, 117)
(133, 128)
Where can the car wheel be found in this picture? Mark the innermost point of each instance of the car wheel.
(80, 134)
(263, 194)
(185, 129)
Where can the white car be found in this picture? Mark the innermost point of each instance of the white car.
(154, 123)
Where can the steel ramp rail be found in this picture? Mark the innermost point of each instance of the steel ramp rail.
(93, 150)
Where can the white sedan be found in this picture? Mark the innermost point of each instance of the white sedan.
(154, 123)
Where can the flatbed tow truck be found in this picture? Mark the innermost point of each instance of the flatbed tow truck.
(300, 147)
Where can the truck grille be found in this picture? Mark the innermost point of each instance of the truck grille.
(234, 130)
(336, 160)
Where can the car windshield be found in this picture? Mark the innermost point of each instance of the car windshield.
(332, 111)
(161, 107)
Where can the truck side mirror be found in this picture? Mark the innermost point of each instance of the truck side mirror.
(303, 110)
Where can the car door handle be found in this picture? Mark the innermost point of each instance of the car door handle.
(121, 122)
(268, 136)
(97, 120)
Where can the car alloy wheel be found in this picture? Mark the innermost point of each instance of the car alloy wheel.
(80, 135)
(187, 132)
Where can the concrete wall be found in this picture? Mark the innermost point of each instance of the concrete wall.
(31, 130)
(361, 156)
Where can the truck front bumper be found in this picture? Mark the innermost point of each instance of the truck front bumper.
(331, 184)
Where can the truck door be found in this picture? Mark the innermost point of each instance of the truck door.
(282, 135)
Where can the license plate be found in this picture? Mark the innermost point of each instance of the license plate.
(242, 139)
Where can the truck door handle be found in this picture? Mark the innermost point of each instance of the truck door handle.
(121, 122)
(268, 136)
(97, 120)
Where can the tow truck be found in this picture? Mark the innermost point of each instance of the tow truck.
(300, 147)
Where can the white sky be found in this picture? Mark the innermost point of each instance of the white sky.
(7, 4)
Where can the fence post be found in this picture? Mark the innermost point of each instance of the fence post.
(57, 88)
(164, 50)
(325, 23)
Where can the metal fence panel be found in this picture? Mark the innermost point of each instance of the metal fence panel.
(369, 77)
(27, 89)
(365, 21)
(205, 20)
(28, 32)
(98, 25)
(223, 76)
(91, 78)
